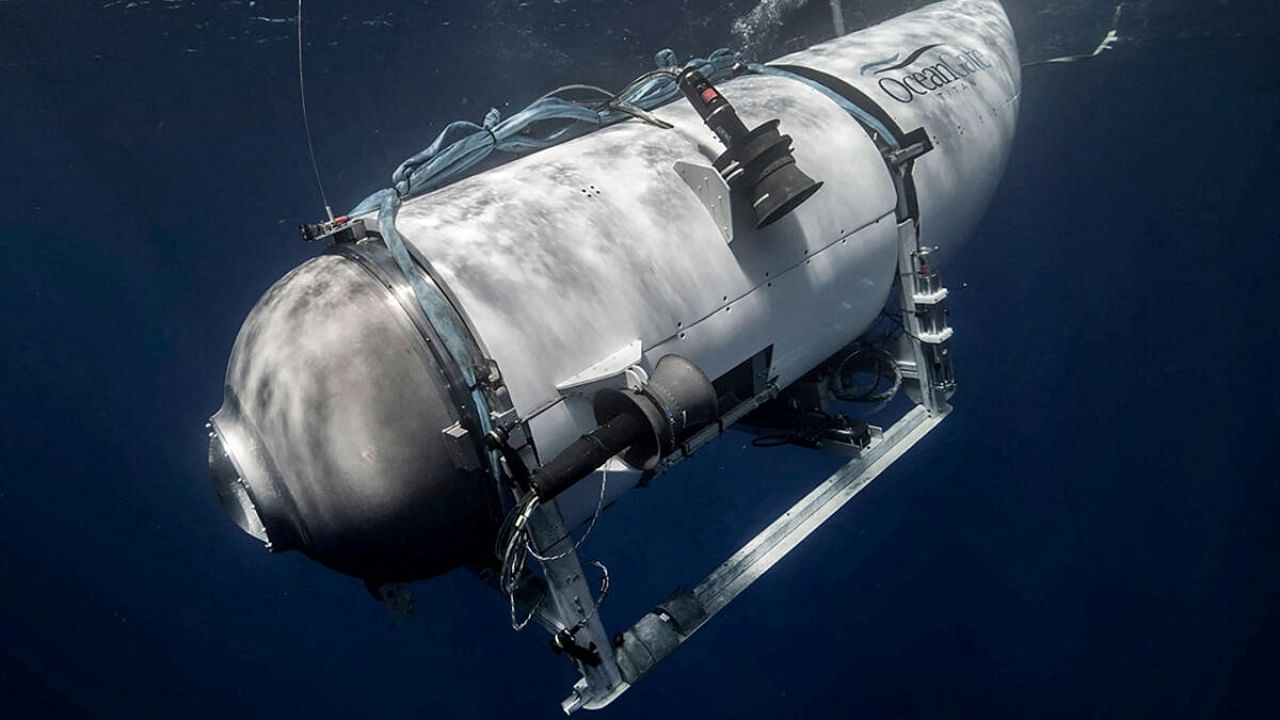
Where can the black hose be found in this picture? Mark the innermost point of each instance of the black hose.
(586, 454)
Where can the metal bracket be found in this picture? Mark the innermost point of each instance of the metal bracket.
(340, 230)
(904, 155)
(572, 605)
(924, 355)
(461, 447)
(618, 368)
(711, 188)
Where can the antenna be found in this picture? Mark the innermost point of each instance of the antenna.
(306, 122)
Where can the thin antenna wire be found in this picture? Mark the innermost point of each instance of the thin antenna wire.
(306, 122)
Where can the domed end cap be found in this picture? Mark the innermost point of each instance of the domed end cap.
(331, 438)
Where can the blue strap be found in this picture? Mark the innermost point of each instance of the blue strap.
(845, 104)
(436, 308)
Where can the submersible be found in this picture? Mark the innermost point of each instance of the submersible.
(604, 306)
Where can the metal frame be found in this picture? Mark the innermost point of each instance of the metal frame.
(565, 600)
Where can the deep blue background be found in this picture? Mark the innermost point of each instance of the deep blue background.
(1093, 533)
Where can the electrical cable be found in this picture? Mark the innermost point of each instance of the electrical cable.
(604, 480)
(463, 144)
(600, 598)
(306, 122)
(513, 547)
(884, 366)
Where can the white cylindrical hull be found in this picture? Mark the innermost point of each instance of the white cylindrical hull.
(562, 259)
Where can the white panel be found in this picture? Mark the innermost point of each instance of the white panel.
(807, 312)
(606, 368)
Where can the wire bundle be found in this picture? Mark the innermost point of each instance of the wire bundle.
(877, 361)
(463, 144)
(513, 547)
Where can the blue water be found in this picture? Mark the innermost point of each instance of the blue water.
(1094, 533)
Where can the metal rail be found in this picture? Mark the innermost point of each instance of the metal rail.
(660, 632)
(789, 530)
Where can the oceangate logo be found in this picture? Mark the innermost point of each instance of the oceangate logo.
(944, 69)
